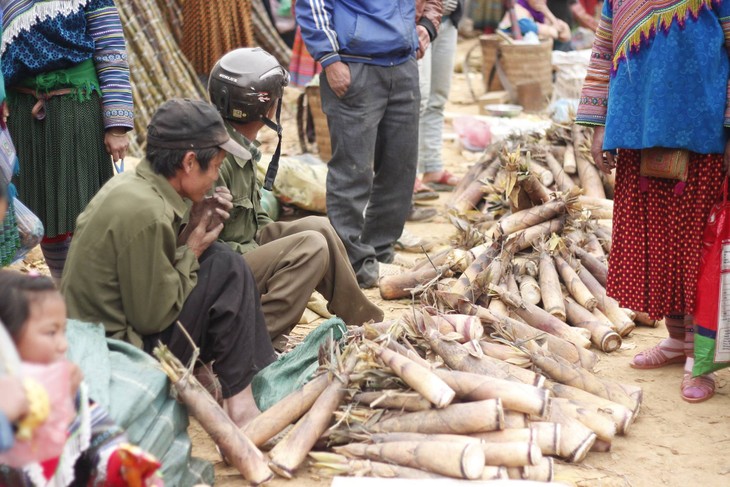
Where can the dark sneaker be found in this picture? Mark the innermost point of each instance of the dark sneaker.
(368, 273)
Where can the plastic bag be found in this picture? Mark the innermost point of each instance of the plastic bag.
(30, 228)
(301, 181)
(50, 437)
(712, 308)
(474, 134)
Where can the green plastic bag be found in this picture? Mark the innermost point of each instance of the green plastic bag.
(293, 370)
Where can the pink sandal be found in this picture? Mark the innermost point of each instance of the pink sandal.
(698, 389)
(656, 357)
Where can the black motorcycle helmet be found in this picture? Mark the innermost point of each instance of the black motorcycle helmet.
(244, 84)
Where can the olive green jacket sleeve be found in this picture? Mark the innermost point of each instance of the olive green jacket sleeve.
(154, 285)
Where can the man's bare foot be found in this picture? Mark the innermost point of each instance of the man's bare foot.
(241, 408)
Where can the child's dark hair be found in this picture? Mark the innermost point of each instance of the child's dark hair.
(17, 291)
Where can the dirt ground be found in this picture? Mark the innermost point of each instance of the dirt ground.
(672, 443)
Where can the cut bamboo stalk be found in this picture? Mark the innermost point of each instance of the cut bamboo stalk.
(587, 172)
(238, 449)
(559, 370)
(291, 451)
(595, 266)
(622, 415)
(273, 421)
(494, 473)
(460, 419)
(604, 237)
(458, 358)
(602, 336)
(576, 439)
(547, 436)
(465, 462)
(527, 238)
(569, 162)
(419, 378)
(543, 174)
(530, 290)
(511, 454)
(530, 217)
(601, 424)
(644, 320)
(517, 397)
(550, 282)
(401, 286)
(407, 436)
(609, 306)
(594, 247)
(562, 179)
(575, 286)
(514, 419)
(357, 466)
(392, 399)
(542, 320)
(543, 472)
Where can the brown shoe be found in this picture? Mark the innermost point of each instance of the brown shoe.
(421, 214)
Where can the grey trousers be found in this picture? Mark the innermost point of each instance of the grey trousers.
(294, 259)
(374, 134)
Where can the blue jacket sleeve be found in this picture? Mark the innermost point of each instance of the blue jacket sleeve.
(318, 32)
(7, 436)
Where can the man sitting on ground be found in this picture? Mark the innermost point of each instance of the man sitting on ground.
(133, 267)
(289, 259)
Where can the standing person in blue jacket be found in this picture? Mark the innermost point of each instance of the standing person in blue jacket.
(370, 94)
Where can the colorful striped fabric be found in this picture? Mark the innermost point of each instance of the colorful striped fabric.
(658, 75)
(43, 36)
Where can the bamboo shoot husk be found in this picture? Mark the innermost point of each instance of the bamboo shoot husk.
(273, 421)
(543, 174)
(608, 305)
(468, 284)
(601, 424)
(530, 290)
(407, 352)
(552, 298)
(543, 472)
(604, 237)
(459, 419)
(505, 353)
(569, 162)
(542, 320)
(595, 266)
(563, 182)
(529, 237)
(594, 247)
(406, 436)
(575, 286)
(238, 449)
(536, 191)
(546, 438)
(468, 199)
(458, 358)
(497, 306)
(419, 378)
(511, 454)
(401, 286)
(622, 416)
(530, 217)
(514, 396)
(469, 327)
(565, 373)
(391, 399)
(602, 336)
(291, 451)
(576, 439)
(592, 203)
(465, 462)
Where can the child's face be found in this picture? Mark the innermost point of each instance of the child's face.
(43, 337)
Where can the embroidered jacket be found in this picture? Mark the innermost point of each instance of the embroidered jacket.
(658, 75)
(43, 36)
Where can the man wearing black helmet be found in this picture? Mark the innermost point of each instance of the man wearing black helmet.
(289, 260)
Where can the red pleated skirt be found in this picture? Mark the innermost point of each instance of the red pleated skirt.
(657, 235)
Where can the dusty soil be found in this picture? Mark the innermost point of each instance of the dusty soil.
(672, 443)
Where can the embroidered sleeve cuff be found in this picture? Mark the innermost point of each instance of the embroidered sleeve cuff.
(329, 58)
(118, 116)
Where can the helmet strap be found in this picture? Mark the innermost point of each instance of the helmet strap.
(274, 163)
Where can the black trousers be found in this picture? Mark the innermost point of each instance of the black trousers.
(223, 317)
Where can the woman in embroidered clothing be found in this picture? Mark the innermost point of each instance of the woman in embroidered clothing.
(658, 79)
(65, 66)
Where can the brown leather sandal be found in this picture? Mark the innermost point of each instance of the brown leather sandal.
(703, 384)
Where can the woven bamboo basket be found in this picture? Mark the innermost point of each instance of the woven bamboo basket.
(521, 63)
(321, 129)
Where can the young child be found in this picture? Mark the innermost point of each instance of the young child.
(96, 451)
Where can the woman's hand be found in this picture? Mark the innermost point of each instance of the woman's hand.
(605, 161)
(116, 142)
